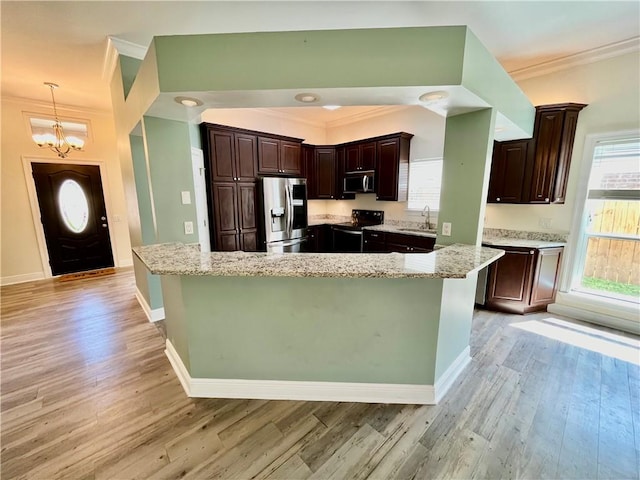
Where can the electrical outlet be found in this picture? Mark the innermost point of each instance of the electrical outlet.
(446, 229)
(544, 222)
(188, 228)
(186, 197)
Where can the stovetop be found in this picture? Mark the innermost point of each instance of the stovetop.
(363, 218)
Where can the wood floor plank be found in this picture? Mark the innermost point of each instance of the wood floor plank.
(87, 392)
(617, 454)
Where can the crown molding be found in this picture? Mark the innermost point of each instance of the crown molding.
(288, 116)
(110, 61)
(374, 112)
(128, 49)
(30, 103)
(582, 58)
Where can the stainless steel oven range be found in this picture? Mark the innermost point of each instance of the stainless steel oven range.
(348, 237)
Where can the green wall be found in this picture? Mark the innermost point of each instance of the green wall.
(168, 147)
(129, 67)
(454, 333)
(468, 145)
(320, 59)
(315, 329)
(149, 286)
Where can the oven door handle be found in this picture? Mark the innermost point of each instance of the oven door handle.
(350, 232)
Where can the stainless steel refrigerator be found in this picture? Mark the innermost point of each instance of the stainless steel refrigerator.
(283, 215)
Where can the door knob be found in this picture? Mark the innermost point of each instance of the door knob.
(103, 218)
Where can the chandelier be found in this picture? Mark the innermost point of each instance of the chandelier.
(56, 140)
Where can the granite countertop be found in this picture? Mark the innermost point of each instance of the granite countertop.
(520, 242)
(418, 232)
(455, 261)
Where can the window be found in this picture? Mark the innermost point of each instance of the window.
(76, 132)
(608, 255)
(425, 180)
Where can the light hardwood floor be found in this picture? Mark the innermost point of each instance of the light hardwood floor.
(87, 392)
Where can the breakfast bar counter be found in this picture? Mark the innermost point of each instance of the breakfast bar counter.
(387, 328)
(455, 261)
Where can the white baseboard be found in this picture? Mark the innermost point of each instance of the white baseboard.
(443, 384)
(125, 263)
(299, 390)
(26, 277)
(153, 315)
(596, 318)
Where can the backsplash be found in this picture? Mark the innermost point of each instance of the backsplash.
(524, 235)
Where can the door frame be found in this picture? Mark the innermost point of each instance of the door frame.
(35, 205)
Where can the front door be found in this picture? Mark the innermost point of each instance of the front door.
(73, 215)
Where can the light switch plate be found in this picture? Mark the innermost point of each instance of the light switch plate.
(188, 228)
(186, 197)
(446, 229)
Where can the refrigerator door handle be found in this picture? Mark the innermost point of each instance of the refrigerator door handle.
(294, 242)
(364, 183)
(289, 201)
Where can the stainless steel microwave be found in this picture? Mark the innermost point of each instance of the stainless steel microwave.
(359, 182)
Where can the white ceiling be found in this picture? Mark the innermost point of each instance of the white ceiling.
(65, 42)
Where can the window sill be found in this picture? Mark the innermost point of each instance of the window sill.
(616, 314)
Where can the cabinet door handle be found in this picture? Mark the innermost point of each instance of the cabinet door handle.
(531, 252)
(498, 199)
(546, 199)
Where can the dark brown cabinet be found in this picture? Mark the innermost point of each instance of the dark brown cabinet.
(524, 280)
(233, 156)
(325, 172)
(387, 156)
(360, 156)
(508, 171)
(340, 171)
(279, 156)
(234, 219)
(392, 172)
(319, 239)
(232, 165)
(536, 170)
(310, 171)
(379, 242)
(374, 242)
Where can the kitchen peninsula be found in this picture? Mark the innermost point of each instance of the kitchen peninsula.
(387, 328)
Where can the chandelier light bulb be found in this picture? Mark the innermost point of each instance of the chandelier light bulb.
(57, 141)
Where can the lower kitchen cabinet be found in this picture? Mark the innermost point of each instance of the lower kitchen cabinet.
(524, 280)
(374, 242)
(235, 216)
(318, 239)
(378, 242)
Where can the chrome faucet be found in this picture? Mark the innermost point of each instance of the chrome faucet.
(427, 221)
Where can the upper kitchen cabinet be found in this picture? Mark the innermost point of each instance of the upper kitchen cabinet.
(392, 173)
(232, 156)
(340, 170)
(279, 156)
(536, 170)
(554, 133)
(360, 156)
(310, 171)
(325, 164)
(508, 168)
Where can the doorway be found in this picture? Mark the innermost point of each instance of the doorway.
(74, 217)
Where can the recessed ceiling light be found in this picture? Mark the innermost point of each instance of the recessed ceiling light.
(331, 107)
(307, 97)
(188, 101)
(433, 96)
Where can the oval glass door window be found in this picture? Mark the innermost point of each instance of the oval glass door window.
(74, 207)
